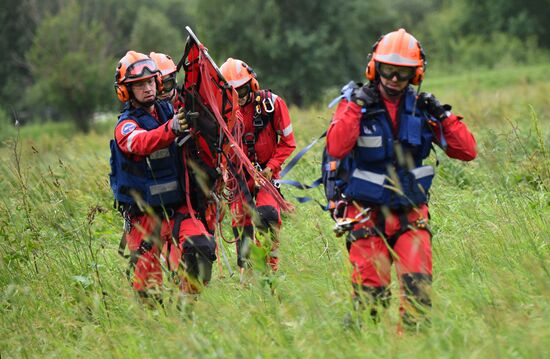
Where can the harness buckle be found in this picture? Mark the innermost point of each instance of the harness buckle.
(267, 104)
(421, 223)
(258, 121)
(249, 139)
(169, 212)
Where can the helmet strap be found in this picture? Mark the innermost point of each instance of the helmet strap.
(135, 101)
(174, 94)
(416, 97)
(145, 104)
(391, 92)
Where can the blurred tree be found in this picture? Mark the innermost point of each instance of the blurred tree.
(118, 17)
(467, 33)
(72, 69)
(16, 34)
(153, 31)
(300, 48)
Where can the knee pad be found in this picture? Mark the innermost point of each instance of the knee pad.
(198, 254)
(418, 295)
(268, 217)
(371, 297)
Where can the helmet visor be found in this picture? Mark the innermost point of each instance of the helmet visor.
(141, 69)
(403, 73)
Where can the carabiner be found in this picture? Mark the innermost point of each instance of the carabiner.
(336, 209)
(267, 101)
(365, 213)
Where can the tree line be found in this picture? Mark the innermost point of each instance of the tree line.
(58, 56)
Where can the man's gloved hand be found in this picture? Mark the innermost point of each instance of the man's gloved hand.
(180, 121)
(365, 96)
(428, 102)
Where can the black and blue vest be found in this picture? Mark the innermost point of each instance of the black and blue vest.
(386, 170)
(156, 177)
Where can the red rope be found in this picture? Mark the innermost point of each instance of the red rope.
(240, 158)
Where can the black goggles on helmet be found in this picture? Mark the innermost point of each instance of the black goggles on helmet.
(141, 69)
(403, 73)
(169, 83)
(243, 91)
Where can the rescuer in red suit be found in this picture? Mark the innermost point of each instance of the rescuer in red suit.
(387, 129)
(149, 182)
(268, 140)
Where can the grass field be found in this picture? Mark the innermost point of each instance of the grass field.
(63, 290)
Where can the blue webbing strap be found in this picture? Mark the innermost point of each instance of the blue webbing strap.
(299, 155)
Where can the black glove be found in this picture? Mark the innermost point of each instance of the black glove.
(181, 121)
(365, 96)
(428, 102)
(191, 117)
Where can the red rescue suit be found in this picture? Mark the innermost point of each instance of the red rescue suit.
(410, 249)
(147, 273)
(273, 145)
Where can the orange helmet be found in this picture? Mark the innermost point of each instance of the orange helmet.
(397, 48)
(134, 66)
(238, 73)
(164, 63)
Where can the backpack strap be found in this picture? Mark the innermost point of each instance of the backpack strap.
(299, 156)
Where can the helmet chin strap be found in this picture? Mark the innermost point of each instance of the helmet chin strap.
(174, 94)
(147, 104)
(144, 104)
(392, 92)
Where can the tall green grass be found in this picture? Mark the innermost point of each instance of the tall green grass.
(63, 291)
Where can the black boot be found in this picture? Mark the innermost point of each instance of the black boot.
(244, 237)
(368, 298)
(418, 303)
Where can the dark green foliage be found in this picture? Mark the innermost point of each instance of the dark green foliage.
(16, 34)
(71, 66)
(152, 32)
(300, 49)
(297, 48)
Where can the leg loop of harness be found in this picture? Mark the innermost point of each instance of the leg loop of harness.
(365, 232)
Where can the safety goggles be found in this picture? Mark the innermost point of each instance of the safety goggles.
(141, 69)
(243, 91)
(403, 73)
(168, 84)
